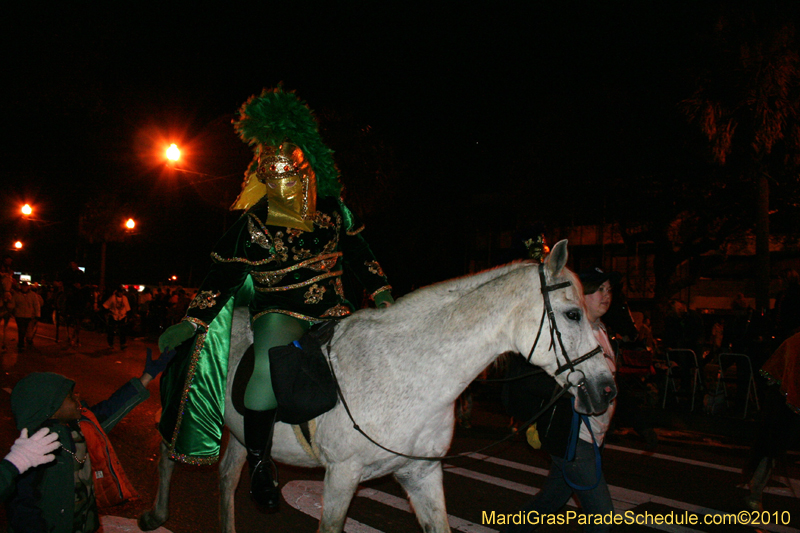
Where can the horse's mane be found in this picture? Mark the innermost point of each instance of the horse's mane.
(455, 288)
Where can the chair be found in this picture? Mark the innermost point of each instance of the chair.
(730, 367)
(683, 358)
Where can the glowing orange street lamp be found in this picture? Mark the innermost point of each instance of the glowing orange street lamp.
(27, 210)
(130, 224)
(174, 278)
(173, 152)
(18, 245)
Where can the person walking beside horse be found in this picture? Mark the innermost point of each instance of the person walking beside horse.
(573, 441)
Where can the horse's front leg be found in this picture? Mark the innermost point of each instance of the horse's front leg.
(230, 471)
(422, 481)
(155, 517)
(341, 481)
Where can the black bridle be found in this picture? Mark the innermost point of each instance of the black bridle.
(575, 377)
(579, 381)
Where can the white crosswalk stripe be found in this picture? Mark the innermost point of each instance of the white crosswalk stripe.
(306, 496)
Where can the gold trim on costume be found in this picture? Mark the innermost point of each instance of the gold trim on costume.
(292, 314)
(196, 321)
(382, 289)
(258, 236)
(314, 294)
(336, 311)
(301, 253)
(301, 284)
(187, 385)
(191, 460)
(355, 231)
(374, 268)
(337, 287)
(204, 300)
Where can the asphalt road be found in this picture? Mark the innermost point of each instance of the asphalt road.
(693, 470)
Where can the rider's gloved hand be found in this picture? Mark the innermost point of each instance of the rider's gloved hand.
(175, 335)
(34, 451)
(383, 299)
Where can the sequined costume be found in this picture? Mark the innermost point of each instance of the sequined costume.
(292, 272)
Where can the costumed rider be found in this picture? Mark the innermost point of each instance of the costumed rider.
(284, 257)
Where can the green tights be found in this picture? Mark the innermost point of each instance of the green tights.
(270, 330)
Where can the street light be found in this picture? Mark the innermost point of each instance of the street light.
(27, 210)
(18, 245)
(173, 152)
(130, 224)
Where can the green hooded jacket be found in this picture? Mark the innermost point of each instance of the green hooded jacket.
(45, 495)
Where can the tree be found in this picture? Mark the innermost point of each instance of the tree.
(747, 103)
(101, 221)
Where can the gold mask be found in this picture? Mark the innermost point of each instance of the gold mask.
(291, 187)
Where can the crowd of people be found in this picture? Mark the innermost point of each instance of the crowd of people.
(72, 302)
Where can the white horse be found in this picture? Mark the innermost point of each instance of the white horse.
(400, 371)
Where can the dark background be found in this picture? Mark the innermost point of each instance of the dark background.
(543, 104)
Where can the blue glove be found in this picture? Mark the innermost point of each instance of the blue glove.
(154, 368)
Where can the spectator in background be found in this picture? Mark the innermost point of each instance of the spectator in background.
(76, 301)
(118, 309)
(34, 324)
(6, 312)
(134, 320)
(26, 310)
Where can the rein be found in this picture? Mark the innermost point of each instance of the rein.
(521, 429)
(579, 382)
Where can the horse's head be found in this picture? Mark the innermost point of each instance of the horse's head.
(567, 348)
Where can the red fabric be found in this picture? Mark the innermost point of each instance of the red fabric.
(783, 367)
(111, 485)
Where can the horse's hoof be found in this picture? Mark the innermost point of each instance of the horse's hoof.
(148, 522)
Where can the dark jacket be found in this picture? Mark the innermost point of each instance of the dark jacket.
(8, 478)
(526, 396)
(45, 496)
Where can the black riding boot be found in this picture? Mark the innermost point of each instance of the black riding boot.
(258, 426)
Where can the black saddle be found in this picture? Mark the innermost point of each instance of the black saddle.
(301, 376)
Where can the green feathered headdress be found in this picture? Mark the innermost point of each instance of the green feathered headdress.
(276, 116)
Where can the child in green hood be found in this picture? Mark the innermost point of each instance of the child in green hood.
(63, 496)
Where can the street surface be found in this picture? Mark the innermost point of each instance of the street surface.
(692, 470)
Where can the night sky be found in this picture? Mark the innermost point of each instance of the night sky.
(554, 97)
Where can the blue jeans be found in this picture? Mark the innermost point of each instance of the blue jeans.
(556, 493)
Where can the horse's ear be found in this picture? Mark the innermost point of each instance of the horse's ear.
(557, 259)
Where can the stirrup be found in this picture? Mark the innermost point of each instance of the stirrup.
(264, 489)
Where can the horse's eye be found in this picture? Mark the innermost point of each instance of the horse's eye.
(573, 315)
